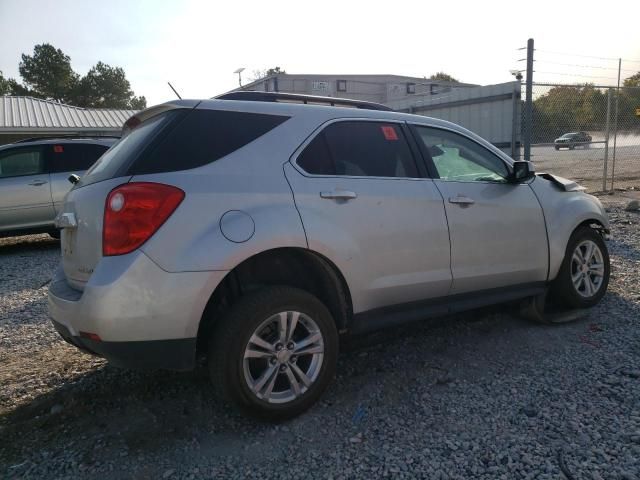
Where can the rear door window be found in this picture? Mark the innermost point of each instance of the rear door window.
(74, 157)
(21, 161)
(359, 148)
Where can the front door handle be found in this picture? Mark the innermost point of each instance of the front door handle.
(339, 195)
(462, 200)
(37, 183)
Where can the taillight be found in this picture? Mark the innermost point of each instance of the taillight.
(134, 212)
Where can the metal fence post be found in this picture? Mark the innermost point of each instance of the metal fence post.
(615, 127)
(606, 142)
(515, 151)
(528, 102)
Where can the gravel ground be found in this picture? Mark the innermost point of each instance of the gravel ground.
(483, 395)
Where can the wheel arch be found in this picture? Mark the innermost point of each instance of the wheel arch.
(293, 266)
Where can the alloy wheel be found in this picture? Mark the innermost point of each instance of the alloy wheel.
(283, 357)
(587, 268)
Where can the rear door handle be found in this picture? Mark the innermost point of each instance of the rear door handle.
(339, 195)
(462, 200)
(37, 183)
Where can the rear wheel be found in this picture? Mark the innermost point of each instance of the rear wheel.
(584, 275)
(274, 353)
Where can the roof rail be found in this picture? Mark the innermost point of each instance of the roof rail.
(252, 96)
(55, 137)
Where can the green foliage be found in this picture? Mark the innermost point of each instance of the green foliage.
(571, 108)
(258, 74)
(5, 86)
(443, 77)
(48, 74)
(274, 71)
(104, 87)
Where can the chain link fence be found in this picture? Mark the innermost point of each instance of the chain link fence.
(588, 133)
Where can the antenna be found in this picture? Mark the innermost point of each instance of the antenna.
(174, 90)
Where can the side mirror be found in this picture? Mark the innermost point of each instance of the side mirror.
(522, 171)
(73, 178)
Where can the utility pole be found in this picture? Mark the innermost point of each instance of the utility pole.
(615, 127)
(528, 106)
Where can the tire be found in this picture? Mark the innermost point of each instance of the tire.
(262, 386)
(557, 148)
(590, 285)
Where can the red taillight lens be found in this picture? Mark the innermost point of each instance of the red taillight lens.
(134, 212)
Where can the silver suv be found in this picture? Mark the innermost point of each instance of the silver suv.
(34, 179)
(252, 231)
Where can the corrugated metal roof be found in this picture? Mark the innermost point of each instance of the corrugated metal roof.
(28, 113)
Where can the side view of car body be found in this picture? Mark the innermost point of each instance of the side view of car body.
(252, 233)
(33, 179)
(573, 140)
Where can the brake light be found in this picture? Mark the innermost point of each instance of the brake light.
(133, 212)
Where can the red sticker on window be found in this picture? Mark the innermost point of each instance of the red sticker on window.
(389, 132)
(58, 148)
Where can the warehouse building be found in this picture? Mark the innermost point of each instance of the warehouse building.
(370, 88)
(28, 117)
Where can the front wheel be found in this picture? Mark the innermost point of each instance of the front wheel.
(274, 353)
(584, 275)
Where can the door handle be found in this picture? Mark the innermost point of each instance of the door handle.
(339, 195)
(462, 200)
(37, 183)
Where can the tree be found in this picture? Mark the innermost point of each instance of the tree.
(632, 81)
(47, 73)
(629, 102)
(5, 86)
(105, 87)
(443, 77)
(258, 74)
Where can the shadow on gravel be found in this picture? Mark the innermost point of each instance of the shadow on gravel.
(108, 413)
(13, 246)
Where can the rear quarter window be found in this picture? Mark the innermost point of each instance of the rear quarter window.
(202, 137)
(116, 160)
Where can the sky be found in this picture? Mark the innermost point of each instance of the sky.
(197, 45)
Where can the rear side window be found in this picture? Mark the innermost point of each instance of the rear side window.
(21, 161)
(74, 157)
(202, 137)
(363, 149)
(124, 151)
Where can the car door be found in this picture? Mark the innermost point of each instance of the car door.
(365, 206)
(497, 228)
(67, 158)
(25, 193)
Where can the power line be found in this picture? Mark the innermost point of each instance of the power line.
(577, 55)
(611, 59)
(584, 66)
(575, 75)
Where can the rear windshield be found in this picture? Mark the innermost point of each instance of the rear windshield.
(115, 160)
(202, 137)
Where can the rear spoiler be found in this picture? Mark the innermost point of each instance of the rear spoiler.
(144, 115)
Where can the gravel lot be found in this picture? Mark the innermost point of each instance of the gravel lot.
(482, 395)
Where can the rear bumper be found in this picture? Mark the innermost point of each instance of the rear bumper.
(144, 316)
(177, 354)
